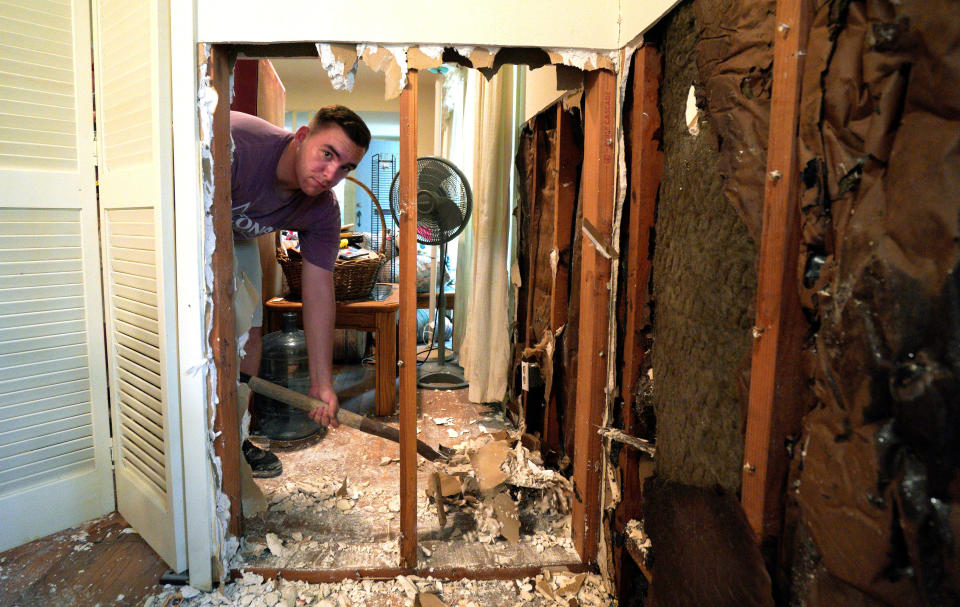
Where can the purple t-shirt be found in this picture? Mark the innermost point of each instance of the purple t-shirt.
(260, 208)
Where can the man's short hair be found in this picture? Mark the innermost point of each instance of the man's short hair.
(345, 118)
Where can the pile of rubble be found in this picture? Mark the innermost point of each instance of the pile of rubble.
(505, 488)
(555, 586)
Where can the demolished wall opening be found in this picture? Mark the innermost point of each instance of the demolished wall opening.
(554, 489)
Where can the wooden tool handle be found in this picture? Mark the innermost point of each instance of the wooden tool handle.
(302, 401)
(347, 418)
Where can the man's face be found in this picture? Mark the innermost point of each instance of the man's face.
(324, 158)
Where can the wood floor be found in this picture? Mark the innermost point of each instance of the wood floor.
(97, 563)
(103, 562)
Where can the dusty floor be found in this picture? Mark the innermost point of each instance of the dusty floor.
(101, 562)
(547, 590)
(336, 506)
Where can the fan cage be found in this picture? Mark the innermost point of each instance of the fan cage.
(434, 172)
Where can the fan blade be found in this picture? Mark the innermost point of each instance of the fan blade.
(448, 214)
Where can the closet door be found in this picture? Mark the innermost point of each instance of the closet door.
(136, 219)
(54, 430)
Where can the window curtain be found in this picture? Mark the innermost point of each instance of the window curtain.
(485, 343)
(457, 145)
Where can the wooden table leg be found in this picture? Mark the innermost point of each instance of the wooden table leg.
(386, 336)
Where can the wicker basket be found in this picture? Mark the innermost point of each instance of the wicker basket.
(352, 278)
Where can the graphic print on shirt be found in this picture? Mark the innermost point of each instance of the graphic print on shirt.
(242, 224)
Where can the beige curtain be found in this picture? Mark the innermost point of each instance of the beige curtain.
(457, 145)
(485, 345)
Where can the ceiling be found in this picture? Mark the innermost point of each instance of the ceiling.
(307, 86)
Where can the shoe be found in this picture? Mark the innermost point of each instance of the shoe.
(264, 463)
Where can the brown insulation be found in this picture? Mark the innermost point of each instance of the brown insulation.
(880, 150)
(704, 279)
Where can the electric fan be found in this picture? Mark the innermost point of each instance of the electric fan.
(444, 202)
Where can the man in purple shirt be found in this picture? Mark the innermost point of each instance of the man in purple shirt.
(284, 180)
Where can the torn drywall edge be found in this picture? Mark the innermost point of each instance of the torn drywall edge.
(424, 58)
(389, 60)
(335, 58)
(584, 59)
(604, 556)
(394, 61)
(207, 100)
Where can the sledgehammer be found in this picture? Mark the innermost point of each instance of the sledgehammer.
(347, 418)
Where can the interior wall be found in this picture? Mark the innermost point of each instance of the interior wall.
(562, 23)
(546, 84)
(704, 280)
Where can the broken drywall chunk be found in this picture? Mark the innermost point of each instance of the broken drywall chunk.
(543, 587)
(408, 587)
(483, 57)
(340, 61)
(584, 59)
(449, 485)
(389, 60)
(487, 463)
(572, 588)
(505, 510)
(426, 599)
(275, 545)
(424, 57)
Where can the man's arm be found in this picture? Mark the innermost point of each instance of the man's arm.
(319, 315)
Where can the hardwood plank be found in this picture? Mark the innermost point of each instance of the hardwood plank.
(408, 322)
(89, 564)
(646, 168)
(223, 341)
(776, 383)
(597, 187)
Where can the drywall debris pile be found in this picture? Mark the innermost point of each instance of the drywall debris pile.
(505, 488)
(555, 586)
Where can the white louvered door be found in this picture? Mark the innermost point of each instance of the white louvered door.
(136, 205)
(54, 427)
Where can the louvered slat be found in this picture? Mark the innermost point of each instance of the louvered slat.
(44, 373)
(36, 86)
(127, 101)
(138, 395)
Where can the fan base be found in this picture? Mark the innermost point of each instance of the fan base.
(440, 376)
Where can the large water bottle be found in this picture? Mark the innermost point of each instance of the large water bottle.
(284, 361)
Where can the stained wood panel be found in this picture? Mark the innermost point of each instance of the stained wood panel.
(776, 382)
(597, 187)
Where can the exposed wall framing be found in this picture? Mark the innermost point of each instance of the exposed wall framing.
(223, 342)
(601, 96)
(549, 158)
(642, 125)
(598, 188)
(776, 377)
(408, 322)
